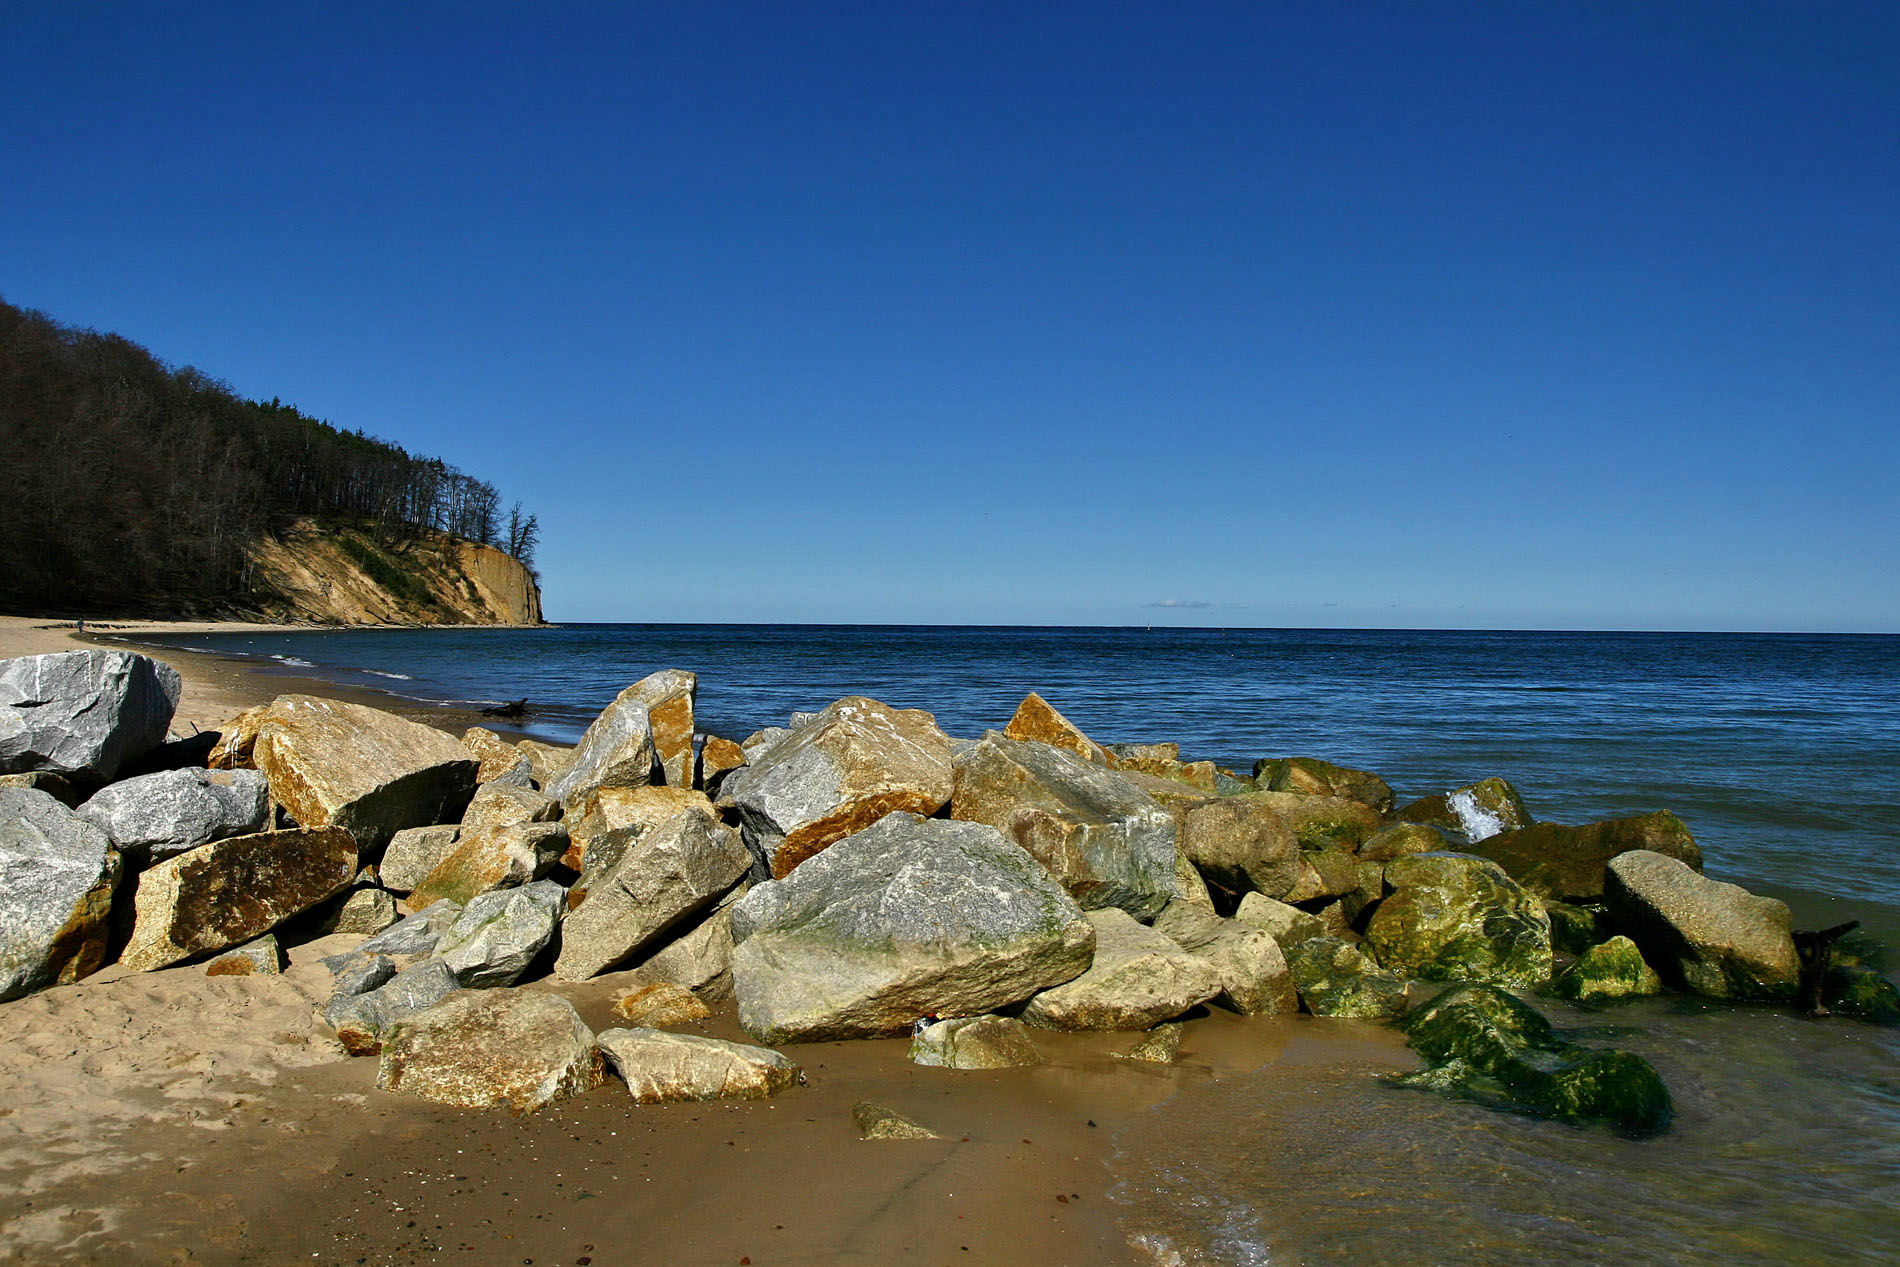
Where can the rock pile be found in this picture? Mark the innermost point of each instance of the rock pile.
(854, 874)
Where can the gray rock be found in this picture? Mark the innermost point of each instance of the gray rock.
(877, 1122)
(416, 934)
(1334, 979)
(1288, 925)
(158, 815)
(618, 750)
(261, 958)
(364, 1021)
(57, 786)
(700, 959)
(759, 742)
(83, 713)
(413, 853)
(1103, 838)
(496, 937)
(666, 1068)
(57, 875)
(1138, 979)
(674, 871)
(232, 890)
(356, 972)
(837, 774)
(1253, 973)
(1714, 938)
(515, 1049)
(974, 1042)
(911, 917)
(1458, 917)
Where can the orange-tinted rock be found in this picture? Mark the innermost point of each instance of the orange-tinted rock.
(496, 754)
(1036, 721)
(608, 819)
(628, 745)
(716, 758)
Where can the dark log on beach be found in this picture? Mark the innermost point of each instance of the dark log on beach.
(514, 710)
(1817, 953)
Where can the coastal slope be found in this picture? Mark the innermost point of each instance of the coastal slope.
(345, 576)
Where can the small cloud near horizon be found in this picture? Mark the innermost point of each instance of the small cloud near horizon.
(1180, 602)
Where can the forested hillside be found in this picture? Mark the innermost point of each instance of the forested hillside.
(129, 487)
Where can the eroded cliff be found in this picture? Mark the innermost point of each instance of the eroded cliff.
(343, 575)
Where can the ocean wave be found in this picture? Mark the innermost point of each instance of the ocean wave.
(400, 677)
(291, 661)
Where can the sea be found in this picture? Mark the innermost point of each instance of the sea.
(1781, 752)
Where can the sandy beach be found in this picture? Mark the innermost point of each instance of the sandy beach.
(169, 1117)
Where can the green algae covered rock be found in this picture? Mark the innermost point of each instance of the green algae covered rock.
(1484, 1043)
(1456, 917)
(1406, 838)
(1571, 863)
(1335, 979)
(1573, 929)
(1613, 970)
(1314, 777)
(1854, 990)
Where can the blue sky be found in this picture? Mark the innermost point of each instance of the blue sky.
(1460, 315)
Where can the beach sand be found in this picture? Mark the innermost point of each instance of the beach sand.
(168, 1117)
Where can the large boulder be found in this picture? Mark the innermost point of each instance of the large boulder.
(1288, 925)
(478, 1049)
(664, 1068)
(498, 805)
(417, 934)
(908, 918)
(496, 755)
(1253, 973)
(849, 766)
(1458, 917)
(673, 872)
(635, 740)
(1335, 979)
(413, 853)
(1568, 863)
(497, 858)
(372, 773)
(497, 935)
(1714, 938)
(237, 740)
(227, 892)
(1254, 843)
(155, 816)
(1612, 970)
(1476, 811)
(974, 1042)
(1403, 839)
(718, 757)
(606, 820)
(1314, 777)
(1103, 838)
(83, 713)
(1036, 722)
(1481, 1041)
(363, 1019)
(57, 874)
(699, 959)
(1138, 979)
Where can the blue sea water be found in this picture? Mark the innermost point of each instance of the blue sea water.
(1782, 752)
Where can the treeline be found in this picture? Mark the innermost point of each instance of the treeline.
(127, 486)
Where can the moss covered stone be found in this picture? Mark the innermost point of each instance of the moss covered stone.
(1335, 979)
(1484, 1042)
(1455, 917)
(1573, 929)
(1860, 992)
(1613, 970)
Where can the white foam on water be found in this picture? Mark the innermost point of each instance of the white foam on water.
(1478, 822)
(293, 662)
(400, 677)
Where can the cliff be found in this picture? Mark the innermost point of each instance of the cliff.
(338, 574)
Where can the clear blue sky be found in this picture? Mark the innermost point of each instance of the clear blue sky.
(1528, 315)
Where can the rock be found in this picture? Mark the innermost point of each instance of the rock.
(1036, 722)
(1188, 885)
(676, 870)
(1138, 979)
(1101, 837)
(57, 876)
(605, 821)
(1310, 776)
(1477, 1036)
(1406, 838)
(1160, 1046)
(663, 1068)
(57, 786)
(974, 1042)
(701, 959)
(372, 773)
(498, 859)
(1329, 872)
(497, 935)
(261, 958)
(1573, 929)
(546, 761)
(756, 744)
(232, 890)
(1253, 843)
(1458, 917)
(1334, 979)
(1851, 989)
(717, 758)
(496, 755)
(619, 749)
(155, 816)
(188, 752)
(413, 853)
(1714, 938)
(236, 740)
(364, 1021)
(83, 714)
(1288, 925)
(417, 934)
(1133, 755)
(1477, 811)
(1568, 863)
(854, 763)
(908, 918)
(877, 1122)
(660, 1006)
(498, 805)
(355, 972)
(519, 1049)
(1253, 973)
(365, 911)
(1613, 970)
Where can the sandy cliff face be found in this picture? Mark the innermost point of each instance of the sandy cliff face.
(344, 576)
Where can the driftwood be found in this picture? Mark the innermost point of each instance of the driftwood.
(1817, 954)
(514, 710)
